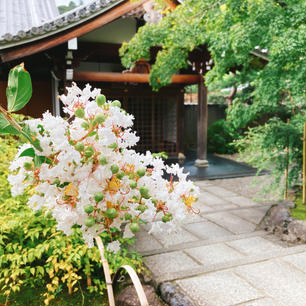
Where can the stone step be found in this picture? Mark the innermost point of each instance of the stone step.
(195, 268)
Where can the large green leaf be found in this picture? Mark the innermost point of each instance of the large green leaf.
(28, 152)
(6, 127)
(19, 89)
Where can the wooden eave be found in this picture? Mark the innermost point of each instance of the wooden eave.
(62, 37)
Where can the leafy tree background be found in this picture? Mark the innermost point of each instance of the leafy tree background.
(66, 8)
(232, 30)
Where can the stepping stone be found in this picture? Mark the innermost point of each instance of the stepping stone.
(210, 199)
(170, 263)
(222, 288)
(278, 280)
(207, 230)
(180, 236)
(221, 192)
(241, 201)
(231, 222)
(254, 245)
(261, 302)
(214, 254)
(297, 260)
(145, 242)
(203, 207)
(202, 184)
(253, 215)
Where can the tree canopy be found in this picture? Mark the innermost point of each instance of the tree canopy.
(232, 30)
(235, 31)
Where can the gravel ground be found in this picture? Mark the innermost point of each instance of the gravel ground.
(250, 186)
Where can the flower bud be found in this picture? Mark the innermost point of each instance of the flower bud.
(111, 213)
(90, 221)
(88, 209)
(99, 197)
(141, 172)
(79, 112)
(133, 184)
(79, 146)
(120, 175)
(144, 192)
(114, 169)
(89, 151)
(99, 118)
(102, 161)
(100, 99)
(134, 227)
(116, 103)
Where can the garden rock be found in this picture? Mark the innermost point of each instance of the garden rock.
(172, 295)
(296, 231)
(128, 297)
(276, 218)
(279, 222)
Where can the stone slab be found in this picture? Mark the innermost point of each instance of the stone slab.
(253, 215)
(222, 207)
(145, 242)
(203, 242)
(210, 199)
(231, 222)
(254, 245)
(214, 254)
(219, 191)
(170, 262)
(297, 260)
(202, 184)
(177, 237)
(193, 217)
(261, 302)
(277, 279)
(203, 207)
(222, 288)
(241, 201)
(247, 260)
(207, 230)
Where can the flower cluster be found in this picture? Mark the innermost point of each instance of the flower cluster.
(86, 174)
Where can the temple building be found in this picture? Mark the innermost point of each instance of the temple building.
(82, 45)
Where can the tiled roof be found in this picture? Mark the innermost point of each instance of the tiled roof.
(23, 21)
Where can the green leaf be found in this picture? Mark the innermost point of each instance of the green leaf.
(19, 90)
(28, 152)
(26, 132)
(6, 127)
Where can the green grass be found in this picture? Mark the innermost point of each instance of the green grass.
(33, 297)
(299, 212)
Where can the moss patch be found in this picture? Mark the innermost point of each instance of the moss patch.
(299, 212)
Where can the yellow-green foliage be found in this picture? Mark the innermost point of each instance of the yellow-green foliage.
(33, 253)
(299, 212)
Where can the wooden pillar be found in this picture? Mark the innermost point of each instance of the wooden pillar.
(201, 160)
(180, 125)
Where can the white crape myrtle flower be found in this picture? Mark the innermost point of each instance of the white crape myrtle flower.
(87, 175)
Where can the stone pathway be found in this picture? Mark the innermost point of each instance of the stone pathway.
(219, 258)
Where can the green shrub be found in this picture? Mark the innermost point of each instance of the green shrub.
(34, 254)
(265, 147)
(220, 138)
